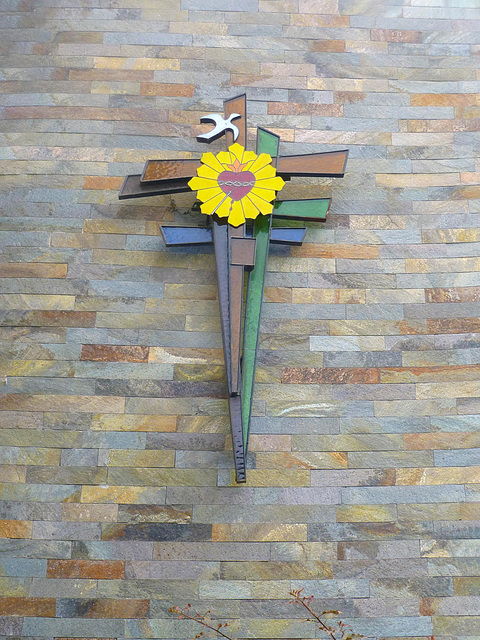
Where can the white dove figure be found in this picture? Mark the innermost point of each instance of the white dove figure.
(221, 125)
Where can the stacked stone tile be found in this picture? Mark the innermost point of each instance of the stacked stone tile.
(118, 493)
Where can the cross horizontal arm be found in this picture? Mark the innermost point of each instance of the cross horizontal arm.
(187, 236)
(133, 188)
(330, 164)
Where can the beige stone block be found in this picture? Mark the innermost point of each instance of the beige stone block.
(13, 473)
(191, 291)
(395, 296)
(413, 180)
(366, 513)
(122, 495)
(259, 532)
(156, 64)
(464, 389)
(301, 460)
(328, 296)
(260, 442)
(421, 139)
(428, 512)
(32, 301)
(123, 422)
(82, 404)
(342, 137)
(115, 88)
(109, 226)
(89, 512)
(133, 458)
(199, 28)
(438, 475)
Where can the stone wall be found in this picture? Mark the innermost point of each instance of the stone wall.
(365, 448)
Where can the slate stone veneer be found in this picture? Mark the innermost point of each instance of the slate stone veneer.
(118, 494)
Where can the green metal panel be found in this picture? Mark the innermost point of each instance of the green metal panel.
(267, 142)
(315, 209)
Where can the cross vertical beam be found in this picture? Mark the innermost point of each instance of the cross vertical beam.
(267, 142)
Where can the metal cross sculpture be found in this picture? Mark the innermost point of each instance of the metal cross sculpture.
(235, 186)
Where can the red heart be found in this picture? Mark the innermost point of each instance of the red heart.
(236, 185)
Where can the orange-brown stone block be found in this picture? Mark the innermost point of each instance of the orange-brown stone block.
(328, 46)
(32, 270)
(114, 353)
(108, 608)
(348, 251)
(102, 182)
(93, 569)
(453, 325)
(395, 35)
(15, 529)
(442, 99)
(296, 109)
(28, 607)
(173, 90)
(432, 441)
(459, 294)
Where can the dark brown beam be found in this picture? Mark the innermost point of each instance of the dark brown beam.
(133, 188)
(169, 169)
(330, 164)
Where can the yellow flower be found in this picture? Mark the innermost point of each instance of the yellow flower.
(236, 184)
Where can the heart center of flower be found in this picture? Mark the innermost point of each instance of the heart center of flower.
(236, 184)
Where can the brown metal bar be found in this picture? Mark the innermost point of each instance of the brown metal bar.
(237, 105)
(330, 164)
(133, 188)
(169, 169)
(235, 409)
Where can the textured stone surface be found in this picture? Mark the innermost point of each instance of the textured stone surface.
(117, 495)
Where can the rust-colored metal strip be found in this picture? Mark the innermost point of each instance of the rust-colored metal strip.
(330, 164)
(237, 105)
(235, 409)
(133, 188)
(169, 169)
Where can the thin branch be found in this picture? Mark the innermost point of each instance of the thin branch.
(198, 618)
(301, 600)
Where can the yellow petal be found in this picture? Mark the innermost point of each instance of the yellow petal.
(262, 160)
(223, 209)
(276, 183)
(201, 183)
(206, 194)
(236, 217)
(210, 160)
(249, 209)
(210, 206)
(264, 207)
(265, 172)
(266, 194)
(224, 158)
(237, 150)
(207, 172)
(248, 156)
